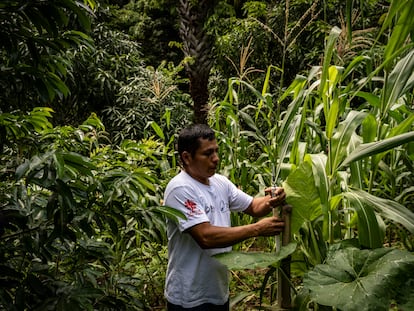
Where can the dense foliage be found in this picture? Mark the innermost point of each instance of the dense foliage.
(316, 96)
(79, 217)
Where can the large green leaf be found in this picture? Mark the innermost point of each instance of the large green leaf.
(303, 195)
(254, 260)
(360, 280)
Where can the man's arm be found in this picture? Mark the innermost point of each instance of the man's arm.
(209, 236)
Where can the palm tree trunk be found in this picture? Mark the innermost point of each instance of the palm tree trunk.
(197, 49)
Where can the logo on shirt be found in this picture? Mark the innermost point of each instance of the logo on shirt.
(192, 207)
(224, 206)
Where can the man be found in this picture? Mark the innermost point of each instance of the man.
(195, 280)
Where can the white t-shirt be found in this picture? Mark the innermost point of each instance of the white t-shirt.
(193, 276)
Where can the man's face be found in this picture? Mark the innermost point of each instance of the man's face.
(204, 163)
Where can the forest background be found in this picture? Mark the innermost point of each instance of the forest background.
(316, 96)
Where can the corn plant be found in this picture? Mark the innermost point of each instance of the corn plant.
(329, 176)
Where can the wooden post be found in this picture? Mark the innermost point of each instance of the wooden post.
(283, 273)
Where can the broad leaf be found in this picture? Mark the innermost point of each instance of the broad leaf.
(303, 196)
(254, 260)
(360, 280)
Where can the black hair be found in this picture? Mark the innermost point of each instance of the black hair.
(189, 138)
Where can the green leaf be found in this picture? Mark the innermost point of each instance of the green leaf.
(334, 108)
(321, 181)
(387, 208)
(303, 195)
(400, 80)
(356, 168)
(158, 130)
(404, 10)
(80, 10)
(369, 232)
(170, 212)
(265, 88)
(343, 135)
(22, 169)
(60, 165)
(369, 129)
(286, 136)
(254, 260)
(372, 99)
(403, 126)
(330, 44)
(248, 119)
(78, 162)
(369, 149)
(360, 280)
(353, 65)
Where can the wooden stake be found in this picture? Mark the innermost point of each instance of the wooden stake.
(283, 273)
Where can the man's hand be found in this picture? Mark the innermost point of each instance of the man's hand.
(277, 197)
(270, 226)
(262, 206)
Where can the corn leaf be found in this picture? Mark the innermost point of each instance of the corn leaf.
(342, 137)
(386, 208)
(369, 149)
(369, 232)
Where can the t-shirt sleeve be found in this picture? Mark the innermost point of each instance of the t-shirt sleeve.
(183, 199)
(238, 200)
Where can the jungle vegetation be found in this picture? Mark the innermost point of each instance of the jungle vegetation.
(315, 96)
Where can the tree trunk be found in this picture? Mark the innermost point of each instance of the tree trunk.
(197, 50)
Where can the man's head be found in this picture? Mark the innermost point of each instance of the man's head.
(198, 150)
(189, 138)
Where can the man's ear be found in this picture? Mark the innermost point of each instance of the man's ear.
(186, 158)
